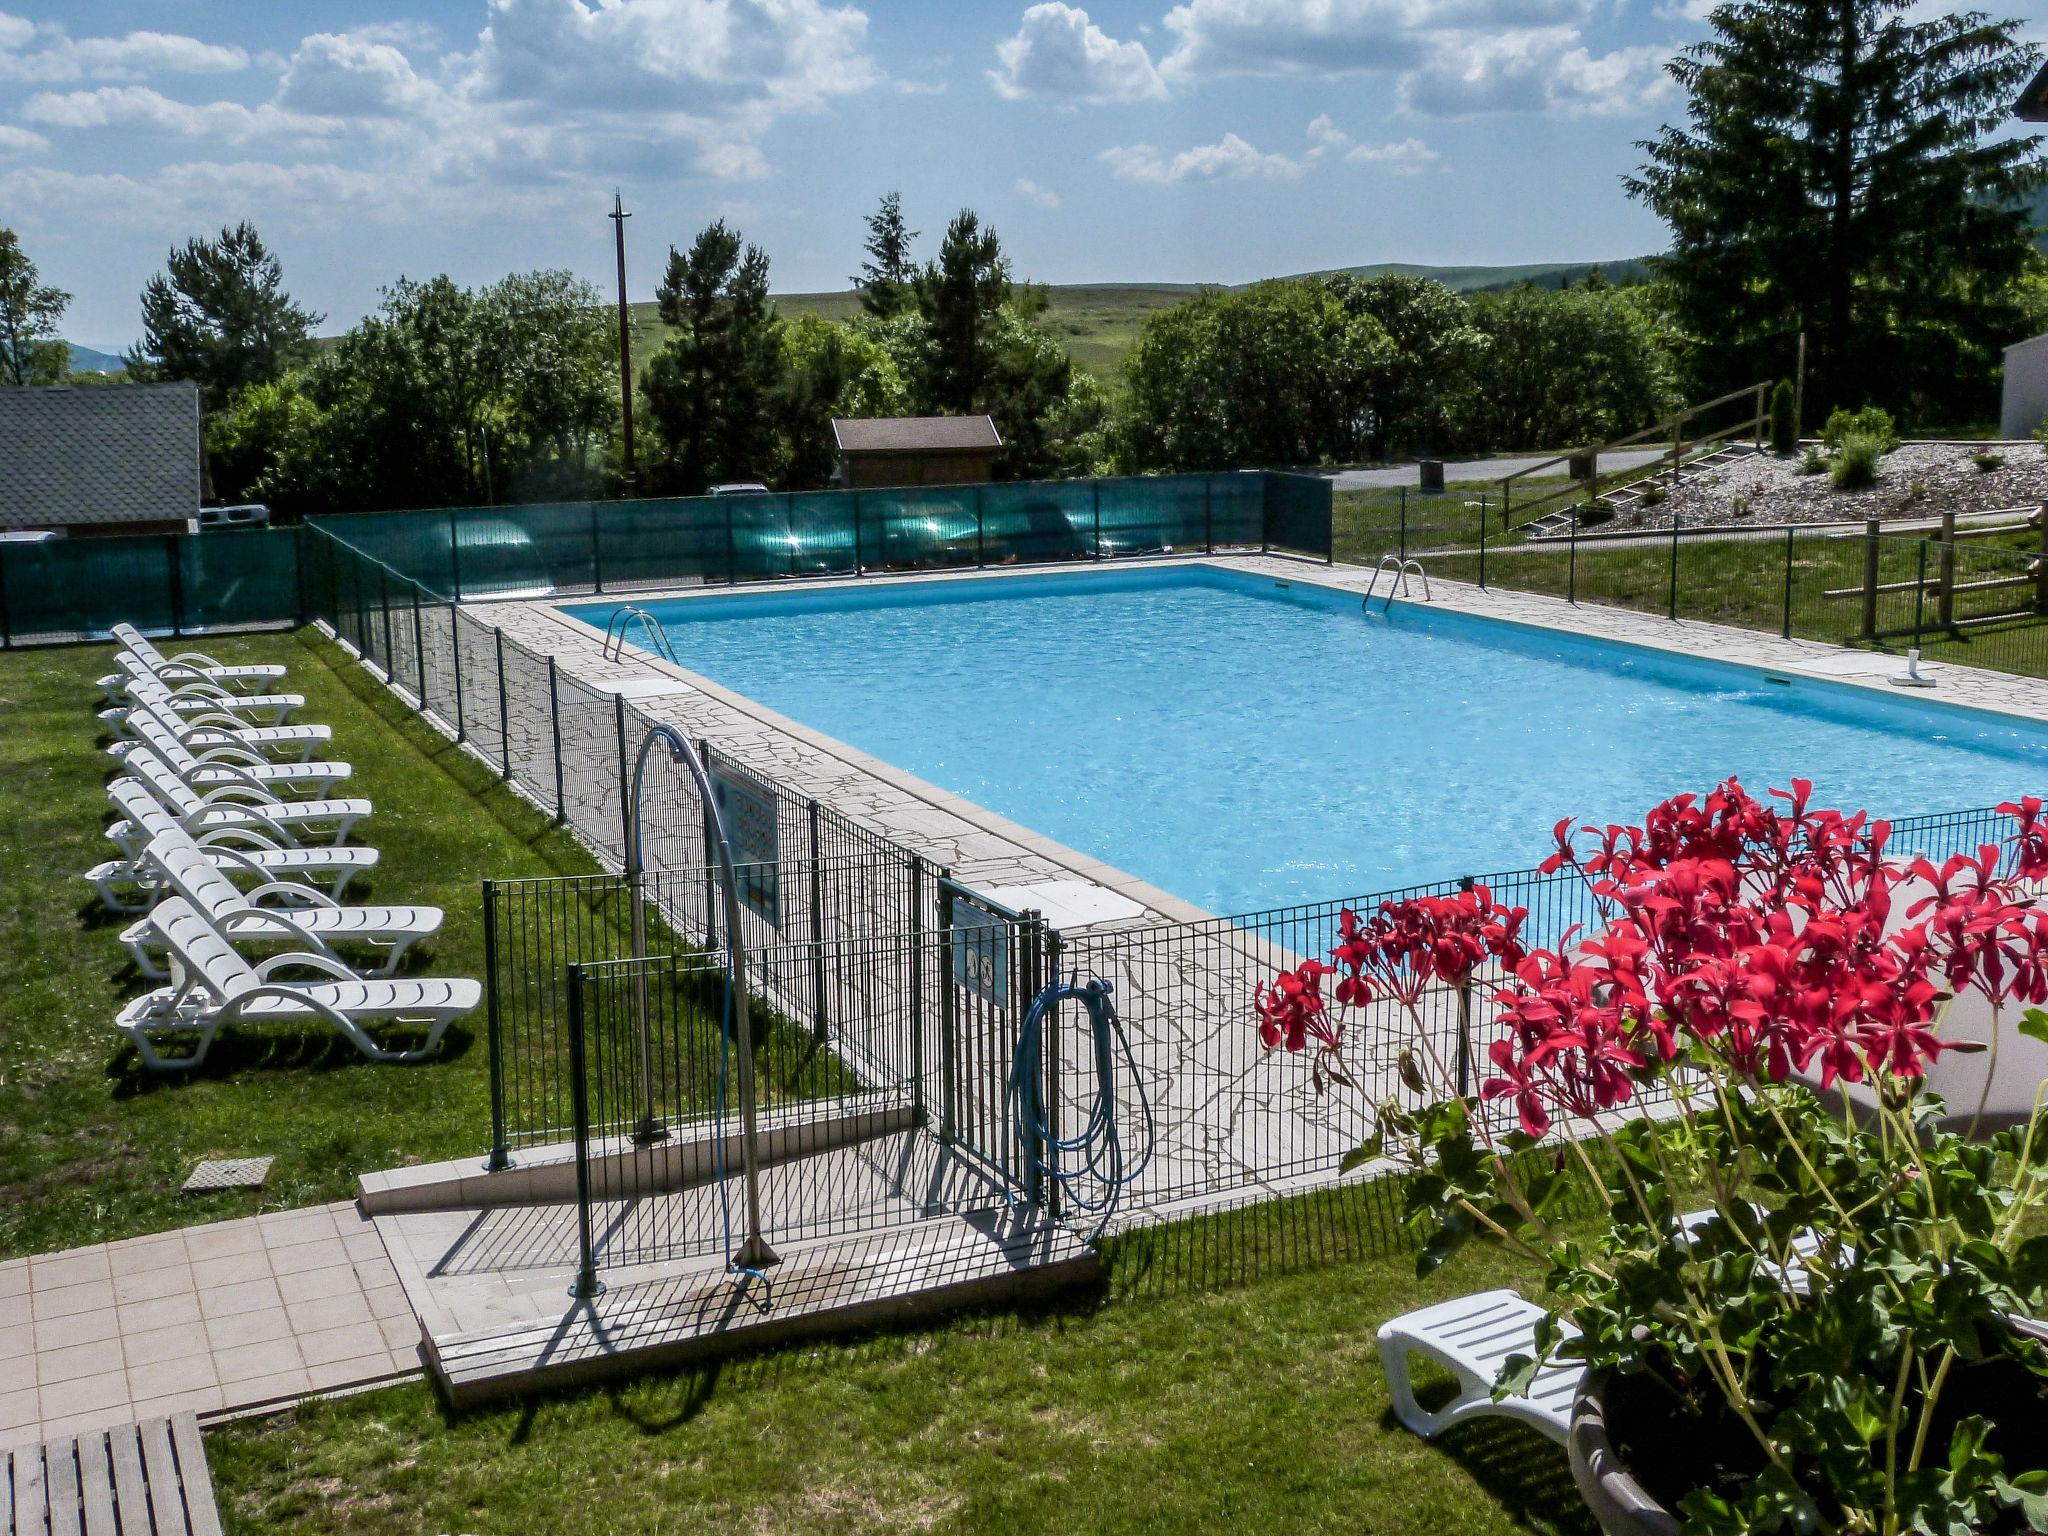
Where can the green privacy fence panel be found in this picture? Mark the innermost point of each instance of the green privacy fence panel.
(617, 546)
(164, 584)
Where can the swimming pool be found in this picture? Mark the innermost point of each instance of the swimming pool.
(1246, 743)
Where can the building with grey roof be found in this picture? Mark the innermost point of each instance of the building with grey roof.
(100, 458)
(916, 450)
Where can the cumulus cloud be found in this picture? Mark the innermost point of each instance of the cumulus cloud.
(1032, 192)
(1409, 157)
(1231, 157)
(1542, 70)
(44, 52)
(1059, 54)
(20, 141)
(352, 75)
(150, 111)
(1333, 37)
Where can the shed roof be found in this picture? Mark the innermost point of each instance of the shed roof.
(102, 453)
(916, 434)
(2033, 102)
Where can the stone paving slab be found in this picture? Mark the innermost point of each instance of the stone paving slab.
(208, 1320)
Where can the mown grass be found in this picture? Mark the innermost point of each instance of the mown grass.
(1225, 1379)
(95, 1147)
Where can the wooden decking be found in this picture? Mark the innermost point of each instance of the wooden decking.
(131, 1480)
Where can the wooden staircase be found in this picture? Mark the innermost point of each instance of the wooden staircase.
(1637, 493)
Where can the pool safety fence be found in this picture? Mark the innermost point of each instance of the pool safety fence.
(62, 591)
(1974, 595)
(621, 546)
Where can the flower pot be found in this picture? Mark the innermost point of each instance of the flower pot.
(1617, 1500)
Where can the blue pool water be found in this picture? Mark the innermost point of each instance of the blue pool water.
(1245, 744)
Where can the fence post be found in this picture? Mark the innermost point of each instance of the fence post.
(1945, 610)
(710, 860)
(853, 503)
(1465, 883)
(732, 567)
(555, 724)
(1672, 610)
(455, 648)
(1482, 543)
(384, 601)
(419, 647)
(980, 533)
(504, 708)
(1920, 595)
(917, 1103)
(2040, 569)
(586, 1285)
(454, 556)
(175, 583)
(1785, 633)
(949, 1010)
(1870, 553)
(596, 553)
(817, 928)
(625, 788)
(1209, 514)
(500, 1157)
(1266, 513)
(6, 614)
(1404, 524)
(1571, 574)
(1047, 946)
(1096, 486)
(299, 574)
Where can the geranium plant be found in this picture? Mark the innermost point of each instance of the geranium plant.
(1810, 1297)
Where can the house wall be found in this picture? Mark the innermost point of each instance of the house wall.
(2025, 401)
(108, 457)
(866, 471)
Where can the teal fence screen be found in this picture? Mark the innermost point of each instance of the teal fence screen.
(164, 584)
(617, 545)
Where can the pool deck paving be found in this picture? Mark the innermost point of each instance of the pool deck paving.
(213, 1320)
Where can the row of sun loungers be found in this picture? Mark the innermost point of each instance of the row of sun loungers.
(232, 843)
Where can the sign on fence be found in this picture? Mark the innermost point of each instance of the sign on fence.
(747, 813)
(981, 950)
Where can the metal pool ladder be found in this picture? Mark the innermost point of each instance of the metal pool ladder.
(621, 622)
(1399, 584)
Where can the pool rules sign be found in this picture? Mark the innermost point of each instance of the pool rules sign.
(747, 813)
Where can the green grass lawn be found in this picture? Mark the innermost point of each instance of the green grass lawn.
(1225, 1380)
(95, 1147)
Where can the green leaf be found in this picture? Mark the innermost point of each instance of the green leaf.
(2034, 1024)
(1363, 1153)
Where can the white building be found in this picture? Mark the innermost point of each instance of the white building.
(2024, 403)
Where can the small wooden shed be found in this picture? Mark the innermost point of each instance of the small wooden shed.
(916, 450)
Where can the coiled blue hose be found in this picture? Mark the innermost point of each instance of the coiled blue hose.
(1091, 1168)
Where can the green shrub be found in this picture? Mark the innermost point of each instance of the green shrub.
(1815, 462)
(1872, 422)
(1739, 507)
(1855, 463)
(1987, 462)
(1784, 418)
(1653, 493)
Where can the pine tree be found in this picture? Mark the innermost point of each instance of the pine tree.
(708, 387)
(30, 352)
(218, 314)
(958, 296)
(885, 277)
(1837, 174)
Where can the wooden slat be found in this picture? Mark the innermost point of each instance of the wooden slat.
(96, 1483)
(7, 1523)
(60, 1462)
(31, 1500)
(161, 1467)
(131, 1493)
(200, 1508)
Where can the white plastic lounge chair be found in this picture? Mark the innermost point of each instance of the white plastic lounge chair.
(213, 986)
(1473, 1336)
(244, 773)
(254, 708)
(203, 731)
(273, 913)
(286, 824)
(243, 850)
(186, 666)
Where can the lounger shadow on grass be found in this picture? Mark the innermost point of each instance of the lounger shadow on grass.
(238, 1051)
(1529, 1475)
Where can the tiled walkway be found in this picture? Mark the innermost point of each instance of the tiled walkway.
(207, 1320)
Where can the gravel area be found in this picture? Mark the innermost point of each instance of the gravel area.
(1914, 481)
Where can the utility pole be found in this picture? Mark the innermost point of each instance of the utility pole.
(1799, 389)
(618, 216)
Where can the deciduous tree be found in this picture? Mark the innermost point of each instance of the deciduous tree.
(30, 352)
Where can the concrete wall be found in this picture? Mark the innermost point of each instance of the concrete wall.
(2025, 401)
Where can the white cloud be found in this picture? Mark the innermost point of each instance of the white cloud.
(1032, 192)
(20, 141)
(1540, 70)
(199, 194)
(1335, 37)
(1410, 156)
(45, 52)
(150, 111)
(352, 75)
(1058, 53)
(1230, 157)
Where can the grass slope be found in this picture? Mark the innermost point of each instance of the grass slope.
(95, 1147)
(1226, 1380)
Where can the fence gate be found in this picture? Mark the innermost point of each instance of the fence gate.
(993, 962)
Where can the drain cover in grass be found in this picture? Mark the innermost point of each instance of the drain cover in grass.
(228, 1173)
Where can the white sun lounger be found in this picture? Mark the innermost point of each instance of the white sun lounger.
(256, 708)
(285, 824)
(212, 986)
(184, 667)
(1475, 1336)
(243, 850)
(240, 771)
(273, 913)
(211, 732)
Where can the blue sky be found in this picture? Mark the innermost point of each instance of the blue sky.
(1123, 140)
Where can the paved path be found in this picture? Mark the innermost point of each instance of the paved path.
(207, 1320)
(1482, 469)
